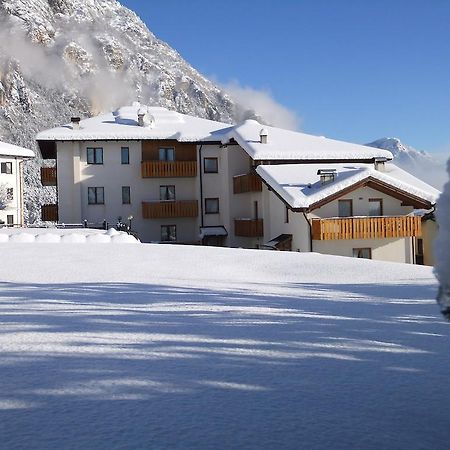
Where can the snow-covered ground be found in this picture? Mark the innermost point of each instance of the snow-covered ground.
(178, 347)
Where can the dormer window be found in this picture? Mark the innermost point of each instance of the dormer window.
(327, 175)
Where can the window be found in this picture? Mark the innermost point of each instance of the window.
(10, 219)
(375, 207)
(168, 233)
(167, 154)
(362, 253)
(6, 167)
(125, 155)
(210, 165)
(96, 195)
(345, 208)
(286, 217)
(95, 155)
(211, 205)
(255, 210)
(126, 195)
(10, 194)
(167, 192)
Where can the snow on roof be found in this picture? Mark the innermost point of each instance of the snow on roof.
(291, 145)
(300, 186)
(122, 124)
(13, 150)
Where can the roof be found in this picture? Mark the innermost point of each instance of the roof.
(299, 185)
(13, 150)
(213, 231)
(122, 124)
(291, 145)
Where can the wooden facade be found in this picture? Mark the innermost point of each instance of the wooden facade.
(184, 151)
(250, 182)
(49, 213)
(164, 169)
(366, 228)
(249, 227)
(48, 176)
(168, 209)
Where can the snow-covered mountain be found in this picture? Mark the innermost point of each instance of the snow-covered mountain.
(421, 164)
(81, 57)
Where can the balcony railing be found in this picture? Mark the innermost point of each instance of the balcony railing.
(248, 227)
(49, 213)
(48, 176)
(163, 169)
(366, 228)
(167, 209)
(247, 183)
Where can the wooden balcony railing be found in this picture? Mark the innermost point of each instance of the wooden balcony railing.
(247, 183)
(249, 227)
(366, 228)
(48, 176)
(166, 209)
(49, 213)
(164, 169)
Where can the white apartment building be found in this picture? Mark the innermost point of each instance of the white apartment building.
(183, 179)
(11, 183)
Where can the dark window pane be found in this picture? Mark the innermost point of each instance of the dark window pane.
(211, 205)
(345, 208)
(126, 195)
(125, 155)
(211, 165)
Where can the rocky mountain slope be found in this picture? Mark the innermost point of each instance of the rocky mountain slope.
(421, 164)
(81, 57)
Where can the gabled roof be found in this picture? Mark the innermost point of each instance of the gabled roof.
(290, 145)
(15, 151)
(123, 125)
(299, 186)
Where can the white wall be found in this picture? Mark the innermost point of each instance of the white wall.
(14, 181)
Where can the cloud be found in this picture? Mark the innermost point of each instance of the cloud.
(260, 104)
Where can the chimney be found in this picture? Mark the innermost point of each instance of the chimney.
(263, 136)
(141, 116)
(75, 123)
(379, 164)
(326, 175)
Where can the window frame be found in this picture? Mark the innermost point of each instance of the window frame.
(380, 202)
(167, 188)
(209, 159)
(165, 150)
(361, 249)
(97, 156)
(96, 196)
(345, 201)
(10, 219)
(212, 200)
(125, 151)
(10, 194)
(6, 167)
(169, 233)
(126, 189)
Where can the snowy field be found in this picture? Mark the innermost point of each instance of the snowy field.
(177, 347)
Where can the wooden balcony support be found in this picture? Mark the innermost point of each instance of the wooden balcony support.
(49, 213)
(249, 227)
(167, 209)
(366, 228)
(164, 169)
(250, 182)
(48, 176)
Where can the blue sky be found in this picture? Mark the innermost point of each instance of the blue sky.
(355, 70)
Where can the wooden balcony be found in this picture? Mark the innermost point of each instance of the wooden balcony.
(167, 209)
(248, 227)
(247, 183)
(49, 213)
(48, 176)
(366, 228)
(164, 169)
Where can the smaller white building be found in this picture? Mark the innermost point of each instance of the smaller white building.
(11, 183)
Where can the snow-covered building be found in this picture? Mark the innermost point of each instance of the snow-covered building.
(184, 179)
(11, 183)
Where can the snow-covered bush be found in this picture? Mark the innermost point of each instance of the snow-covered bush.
(442, 267)
(4, 198)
